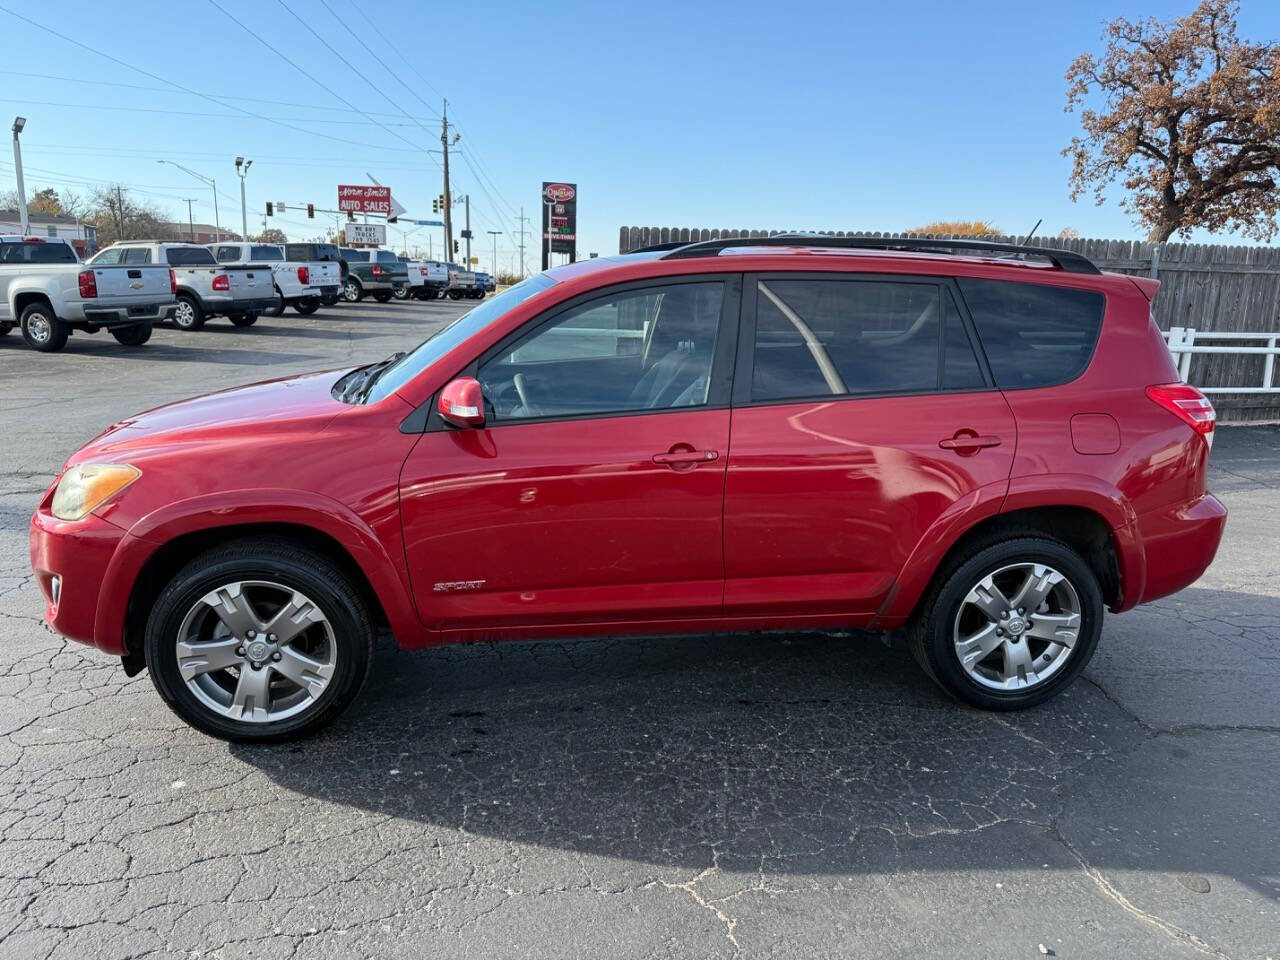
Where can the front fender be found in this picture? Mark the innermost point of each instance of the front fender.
(250, 508)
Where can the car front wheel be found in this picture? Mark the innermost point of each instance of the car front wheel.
(1012, 625)
(259, 640)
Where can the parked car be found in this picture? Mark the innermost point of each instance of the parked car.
(303, 285)
(986, 450)
(462, 283)
(204, 287)
(484, 284)
(437, 280)
(46, 292)
(377, 273)
(328, 252)
(417, 272)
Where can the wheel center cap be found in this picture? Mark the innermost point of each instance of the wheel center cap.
(1017, 626)
(257, 650)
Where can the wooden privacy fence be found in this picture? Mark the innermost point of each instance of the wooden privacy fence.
(1208, 287)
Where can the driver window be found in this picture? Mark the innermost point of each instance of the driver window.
(647, 349)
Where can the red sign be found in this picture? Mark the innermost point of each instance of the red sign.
(361, 199)
(558, 192)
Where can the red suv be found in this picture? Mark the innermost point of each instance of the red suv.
(986, 448)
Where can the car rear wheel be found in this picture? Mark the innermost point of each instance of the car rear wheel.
(1012, 625)
(42, 329)
(401, 293)
(244, 319)
(259, 640)
(188, 315)
(134, 336)
(278, 309)
(352, 292)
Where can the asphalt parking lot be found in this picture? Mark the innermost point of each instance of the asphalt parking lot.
(756, 796)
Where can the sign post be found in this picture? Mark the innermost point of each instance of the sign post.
(559, 221)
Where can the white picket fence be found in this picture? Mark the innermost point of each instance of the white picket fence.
(1185, 342)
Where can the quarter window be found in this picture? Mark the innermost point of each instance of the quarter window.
(1034, 335)
(840, 337)
(648, 349)
(136, 255)
(265, 253)
(228, 253)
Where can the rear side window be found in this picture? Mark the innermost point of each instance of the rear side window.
(228, 253)
(1034, 335)
(28, 252)
(386, 256)
(189, 257)
(137, 255)
(263, 253)
(838, 337)
(356, 256)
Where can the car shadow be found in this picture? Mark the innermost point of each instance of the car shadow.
(105, 348)
(810, 753)
(282, 328)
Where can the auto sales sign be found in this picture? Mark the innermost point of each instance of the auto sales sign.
(361, 199)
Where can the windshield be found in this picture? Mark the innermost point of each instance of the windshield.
(466, 326)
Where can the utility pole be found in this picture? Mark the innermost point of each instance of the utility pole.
(523, 234)
(242, 168)
(191, 224)
(448, 197)
(494, 234)
(18, 124)
(119, 214)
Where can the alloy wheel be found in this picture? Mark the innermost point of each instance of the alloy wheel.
(184, 315)
(1017, 626)
(256, 651)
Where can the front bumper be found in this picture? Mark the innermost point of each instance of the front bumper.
(70, 560)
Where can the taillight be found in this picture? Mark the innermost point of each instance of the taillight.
(173, 282)
(1187, 404)
(222, 282)
(88, 285)
(377, 270)
(304, 276)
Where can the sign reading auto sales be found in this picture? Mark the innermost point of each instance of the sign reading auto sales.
(362, 199)
(559, 219)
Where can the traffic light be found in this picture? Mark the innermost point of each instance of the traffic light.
(437, 205)
(351, 217)
(311, 211)
(392, 219)
(455, 248)
(271, 209)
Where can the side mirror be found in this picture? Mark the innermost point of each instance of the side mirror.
(461, 403)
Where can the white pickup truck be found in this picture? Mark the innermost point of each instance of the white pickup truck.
(302, 285)
(204, 288)
(427, 279)
(47, 292)
(462, 283)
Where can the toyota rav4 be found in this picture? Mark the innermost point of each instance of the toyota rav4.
(986, 447)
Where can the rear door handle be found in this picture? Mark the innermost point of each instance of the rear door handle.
(685, 458)
(968, 441)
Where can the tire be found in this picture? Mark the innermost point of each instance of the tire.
(278, 309)
(455, 295)
(401, 293)
(998, 680)
(330, 301)
(42, 329)
(383, 296)
(253, 576)
(188, 316)
(352, 291)
(243, 319)
(5, 328)
(134, 336)
(307, 307)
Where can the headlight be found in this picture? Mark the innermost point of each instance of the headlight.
(86, 487)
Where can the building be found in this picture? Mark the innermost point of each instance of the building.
(203, 232)
(83, 236)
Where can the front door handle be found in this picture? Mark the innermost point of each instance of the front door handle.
(966, 441)
(682, 458)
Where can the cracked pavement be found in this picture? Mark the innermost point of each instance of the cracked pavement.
(718, 796)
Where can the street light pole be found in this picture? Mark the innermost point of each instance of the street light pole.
(494, 234)
(18, 124)
(212, 183)
(242, 168)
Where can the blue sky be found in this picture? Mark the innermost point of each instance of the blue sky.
(747, 114)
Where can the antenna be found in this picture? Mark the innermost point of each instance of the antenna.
(1033, 232)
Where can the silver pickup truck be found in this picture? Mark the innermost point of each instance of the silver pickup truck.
(47, 292)
(204, 287)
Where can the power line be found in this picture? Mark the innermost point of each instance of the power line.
(129, 108)
(185, 89)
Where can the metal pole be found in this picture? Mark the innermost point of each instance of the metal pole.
(217, 223)
(191, 223)
(467, 199)
(494, 234)
(448, 199)
(22, 192)
(547, 263)
(523, 219)
(244, 211)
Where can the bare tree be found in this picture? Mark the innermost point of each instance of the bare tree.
(962, 228)
(118, 216)
(1187, 117)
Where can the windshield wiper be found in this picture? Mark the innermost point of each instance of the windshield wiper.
(363, 379)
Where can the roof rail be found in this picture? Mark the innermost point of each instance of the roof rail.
(1064, 260)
